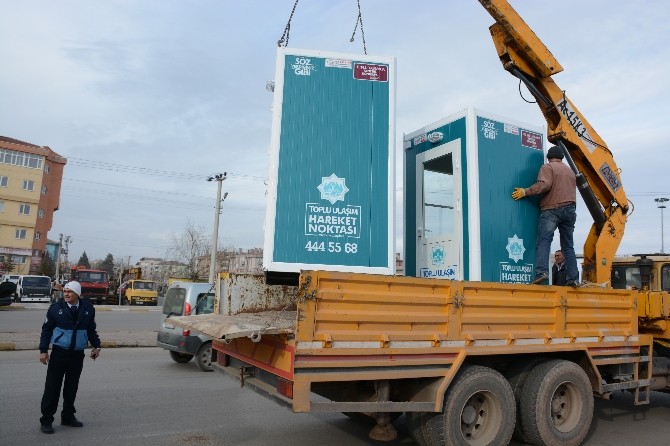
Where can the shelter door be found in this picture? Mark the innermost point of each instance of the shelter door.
(439, 212)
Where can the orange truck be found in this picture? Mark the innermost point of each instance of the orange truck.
(469, 363)
(94, 284)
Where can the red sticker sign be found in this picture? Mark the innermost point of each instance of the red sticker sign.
(369, 72)
(530, 139)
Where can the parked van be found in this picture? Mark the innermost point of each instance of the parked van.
(183, 299)
(140, 292)
(33, 289)
(10, 278)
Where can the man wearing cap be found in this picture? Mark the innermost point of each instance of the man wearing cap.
(68, 327)
(557, 183)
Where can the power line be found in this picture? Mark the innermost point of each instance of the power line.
(77, 238)
(138, 188)
(102, 165)
(158, 201)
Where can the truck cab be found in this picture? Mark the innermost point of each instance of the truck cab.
(140, 292)
(33, 289)
(94, 284)
(626, 272)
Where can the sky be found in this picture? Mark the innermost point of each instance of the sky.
(147, 99)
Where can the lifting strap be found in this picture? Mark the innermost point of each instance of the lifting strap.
(287, 29)
(359, 19)
(283, 40)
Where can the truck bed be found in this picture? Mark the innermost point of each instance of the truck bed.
(350, 330)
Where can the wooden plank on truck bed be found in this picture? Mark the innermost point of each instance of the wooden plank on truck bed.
(219, 326)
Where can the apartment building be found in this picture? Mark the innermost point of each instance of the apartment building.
(30, 184)
(234, 261)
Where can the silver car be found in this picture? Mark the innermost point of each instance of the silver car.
(182, 299)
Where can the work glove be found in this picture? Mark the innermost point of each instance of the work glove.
(519, 193)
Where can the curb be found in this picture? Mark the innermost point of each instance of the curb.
(15, 346)
(15, 307)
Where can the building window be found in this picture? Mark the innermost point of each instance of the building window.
(44, 190)
(2, 206)
(4, 181)
(21, 159)
(40, 213)
(24, 209)
(47, 167)
(21, 234)
(28, 185)
(19, 260)
(38, 236)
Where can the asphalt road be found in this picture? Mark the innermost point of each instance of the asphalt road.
(20, 325)
(139, 396)
(25, 318)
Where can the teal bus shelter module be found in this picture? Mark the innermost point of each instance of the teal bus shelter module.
(331, 188)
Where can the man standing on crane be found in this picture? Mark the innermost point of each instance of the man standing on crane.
(557, 183)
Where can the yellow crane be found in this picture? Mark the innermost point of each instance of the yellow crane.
(524, 55)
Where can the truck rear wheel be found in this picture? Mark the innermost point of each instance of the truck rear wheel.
(557, 404)
(517, 375)
(181, 358)
(416, 426)
(476, 410)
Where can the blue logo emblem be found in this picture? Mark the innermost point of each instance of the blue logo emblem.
(515, 248)
(333, 188)
(438, 255)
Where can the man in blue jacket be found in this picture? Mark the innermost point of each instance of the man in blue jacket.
(68, 327)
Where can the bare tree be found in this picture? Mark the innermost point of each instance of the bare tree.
(188, 246)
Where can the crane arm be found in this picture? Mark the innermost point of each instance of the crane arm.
(524, 55)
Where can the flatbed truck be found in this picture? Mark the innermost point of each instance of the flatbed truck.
(469, 363)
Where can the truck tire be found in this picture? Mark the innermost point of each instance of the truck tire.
(181, 358)
(516, 376)
(476, 410)
(416, 426)
(661, 350)
(557, 404)
(204, 357)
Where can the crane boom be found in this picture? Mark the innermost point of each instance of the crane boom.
(524, 55)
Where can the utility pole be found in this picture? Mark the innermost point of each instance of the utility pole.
(215, 236)
(660, 202)
(68, 240)
(60, 243)
(60, 251)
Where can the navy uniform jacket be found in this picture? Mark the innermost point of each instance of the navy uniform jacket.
(62, 331)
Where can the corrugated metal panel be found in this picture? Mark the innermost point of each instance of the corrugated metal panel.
(248, 293)
(506, 160)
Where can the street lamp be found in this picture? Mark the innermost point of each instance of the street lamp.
(660, 202)
(219, 177)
